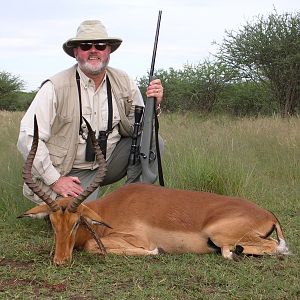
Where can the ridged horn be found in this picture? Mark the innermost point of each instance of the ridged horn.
(27, 175)
(99, 176)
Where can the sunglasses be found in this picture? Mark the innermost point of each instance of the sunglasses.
(88, 46)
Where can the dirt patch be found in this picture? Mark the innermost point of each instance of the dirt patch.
(37, 286)
(16, 263)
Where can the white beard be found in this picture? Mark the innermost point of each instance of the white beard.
(91, 69)
(88, 68)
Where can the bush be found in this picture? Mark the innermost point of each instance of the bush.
(247, 99)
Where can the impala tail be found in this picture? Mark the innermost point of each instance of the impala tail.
(282, 246)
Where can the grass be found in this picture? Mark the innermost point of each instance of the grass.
(255, 158)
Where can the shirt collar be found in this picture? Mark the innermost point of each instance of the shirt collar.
(86, 81)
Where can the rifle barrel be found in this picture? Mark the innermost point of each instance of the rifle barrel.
(155, 46)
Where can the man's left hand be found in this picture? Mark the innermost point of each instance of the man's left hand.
(155, 89)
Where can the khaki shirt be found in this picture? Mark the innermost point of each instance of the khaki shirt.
(94, 109)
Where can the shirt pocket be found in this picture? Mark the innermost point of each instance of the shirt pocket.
(115, 118)
(87, 112)
(57, 153)
(61, 126)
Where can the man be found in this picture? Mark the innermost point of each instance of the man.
(104, 96)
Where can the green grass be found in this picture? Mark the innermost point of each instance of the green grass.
(255, 158)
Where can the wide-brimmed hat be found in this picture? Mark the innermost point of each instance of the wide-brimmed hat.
(91, 30)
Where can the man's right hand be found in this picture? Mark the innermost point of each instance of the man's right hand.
(67, 186)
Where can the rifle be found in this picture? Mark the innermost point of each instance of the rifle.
(134, 150)
(146, 154)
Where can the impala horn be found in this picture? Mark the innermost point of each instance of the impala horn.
(27, 175)
(99, 176)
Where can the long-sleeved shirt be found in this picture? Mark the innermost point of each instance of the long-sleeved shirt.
(94, 109)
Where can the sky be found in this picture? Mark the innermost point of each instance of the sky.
(32, 32)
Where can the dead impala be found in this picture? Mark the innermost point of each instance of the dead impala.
(142, 219)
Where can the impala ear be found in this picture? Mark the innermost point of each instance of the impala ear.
(91, 216)
(37, 212)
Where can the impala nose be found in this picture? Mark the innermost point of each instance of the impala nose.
(60, 261)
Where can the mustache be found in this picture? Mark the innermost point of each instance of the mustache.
(91, 55)
(92, 69)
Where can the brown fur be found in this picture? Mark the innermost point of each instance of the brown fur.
(145, 218)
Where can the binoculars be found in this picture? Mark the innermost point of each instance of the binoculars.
(102, 142)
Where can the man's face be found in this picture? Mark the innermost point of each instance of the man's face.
(92, 57)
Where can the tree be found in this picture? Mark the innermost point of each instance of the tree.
(10, 85)
(195, 87)
(268, 51)
(204, 83)
(173, 90)
(247, 99)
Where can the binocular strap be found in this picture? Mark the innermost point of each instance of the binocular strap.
(103, 135)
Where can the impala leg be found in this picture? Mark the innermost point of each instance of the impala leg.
(253, 246)
(229, 253)
(118, 245)
(260, 246)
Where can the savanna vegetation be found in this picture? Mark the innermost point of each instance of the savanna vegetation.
(257, 158)
(255, 71)
(231, 126)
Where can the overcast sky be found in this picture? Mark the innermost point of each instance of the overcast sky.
(32, 32)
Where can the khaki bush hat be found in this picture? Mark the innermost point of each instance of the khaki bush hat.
(91, 30)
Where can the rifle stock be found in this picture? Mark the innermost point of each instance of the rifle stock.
(146, 141)
(146, 154)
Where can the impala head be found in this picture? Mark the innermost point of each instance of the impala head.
(67, 213)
